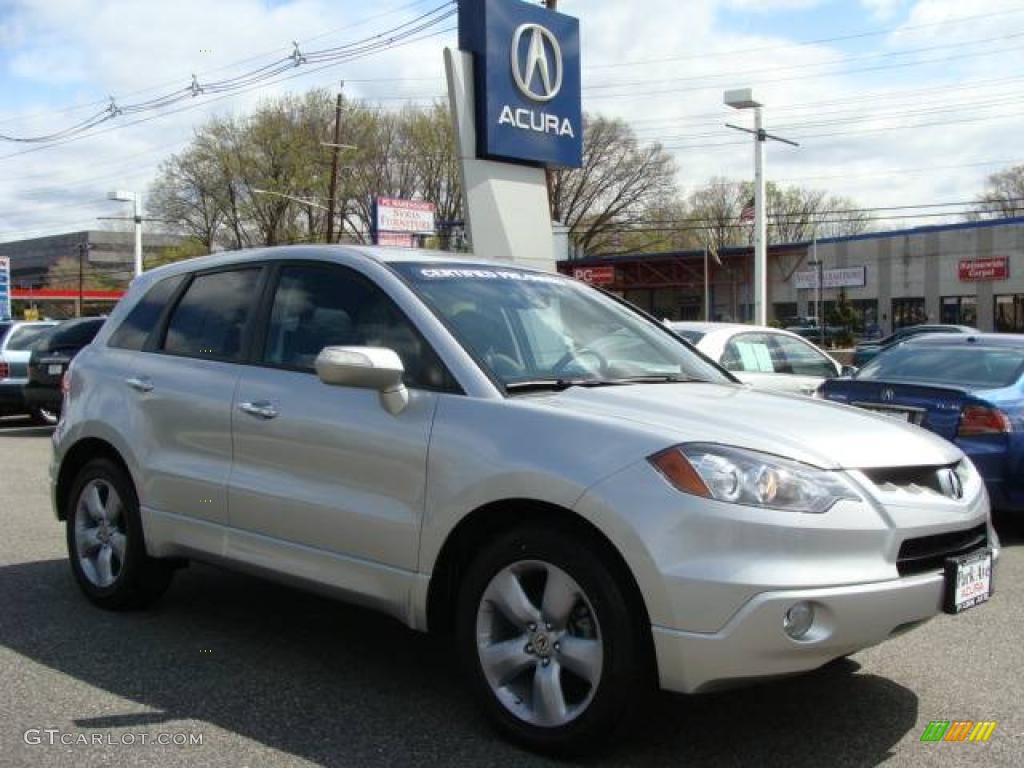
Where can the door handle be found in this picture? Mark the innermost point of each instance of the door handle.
(139, 384)
(261, 409)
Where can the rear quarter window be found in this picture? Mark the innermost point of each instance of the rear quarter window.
(142, 319)
(24, 337)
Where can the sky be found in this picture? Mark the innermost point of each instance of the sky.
(893, 102)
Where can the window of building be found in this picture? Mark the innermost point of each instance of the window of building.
(317, 306)
(959, 310)
(908, 312)
(785, 312)
(1010, 313)
(210, 319)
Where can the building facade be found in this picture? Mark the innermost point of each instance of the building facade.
(968, 273)
(110, 253)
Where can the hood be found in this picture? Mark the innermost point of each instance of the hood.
(812, 431)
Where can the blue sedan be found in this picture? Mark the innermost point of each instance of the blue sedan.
(967, 388)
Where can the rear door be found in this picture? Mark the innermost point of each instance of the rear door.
(182, 387)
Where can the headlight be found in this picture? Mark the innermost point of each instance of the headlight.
(747, 477)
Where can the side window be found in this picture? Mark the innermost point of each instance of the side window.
(135, 329)
(797, 357)
(748, 353)
(317, 306)
(210, 319)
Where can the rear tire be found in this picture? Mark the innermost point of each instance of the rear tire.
(105, 540)
(550, 646)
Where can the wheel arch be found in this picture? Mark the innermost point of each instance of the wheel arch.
(77, 456)
(496, 517)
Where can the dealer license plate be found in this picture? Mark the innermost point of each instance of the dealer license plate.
(968, 581)
(54, 370)
(892, 413)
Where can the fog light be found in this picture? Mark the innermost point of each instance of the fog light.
(798, 620)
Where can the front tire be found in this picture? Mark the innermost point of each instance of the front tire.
(105, 540)
(551, 648)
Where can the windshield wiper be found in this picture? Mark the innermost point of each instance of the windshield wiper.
(672, 378)
(557, 385)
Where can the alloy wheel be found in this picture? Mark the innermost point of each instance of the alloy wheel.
(100, 538)
(539, 643)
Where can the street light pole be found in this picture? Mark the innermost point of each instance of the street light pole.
(743, 98)
(136, 200)
(334, 166)
(760, 226)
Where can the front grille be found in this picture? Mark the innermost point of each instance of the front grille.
(912, 479)
(929, 553)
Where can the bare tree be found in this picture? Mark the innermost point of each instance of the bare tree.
(619, 182)
(1003, 197)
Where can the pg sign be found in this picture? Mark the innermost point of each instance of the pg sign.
(526, 78)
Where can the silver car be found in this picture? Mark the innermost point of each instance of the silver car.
(519, 460)
(763, 357)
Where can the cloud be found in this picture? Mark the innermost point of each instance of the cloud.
(879, 117)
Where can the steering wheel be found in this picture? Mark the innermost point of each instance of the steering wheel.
(573, 355)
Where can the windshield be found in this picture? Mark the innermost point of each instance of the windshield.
(25, 336)
(961, 366)
(530, 327)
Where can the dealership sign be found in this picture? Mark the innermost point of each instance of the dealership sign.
(5, 288)
(526, 76)
(595, 275)
(987, 268)
(846, 277)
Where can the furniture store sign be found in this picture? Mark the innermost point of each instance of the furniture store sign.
(526, 77)
(847, 277)
(396, 222)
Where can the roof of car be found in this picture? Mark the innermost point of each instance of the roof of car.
(709, 327)
(377, 253)
(966, 339)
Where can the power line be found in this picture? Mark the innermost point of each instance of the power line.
(364, 47)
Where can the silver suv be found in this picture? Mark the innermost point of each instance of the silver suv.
(586, 503)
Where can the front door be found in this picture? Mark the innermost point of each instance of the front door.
(326, 467)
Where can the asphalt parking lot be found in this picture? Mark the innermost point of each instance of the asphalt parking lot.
(271, 676)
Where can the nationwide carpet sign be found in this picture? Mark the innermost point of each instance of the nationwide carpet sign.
(526, 76)
(988, 268)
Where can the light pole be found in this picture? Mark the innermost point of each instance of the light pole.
(743, 98)
(136, 200)
(818, 287)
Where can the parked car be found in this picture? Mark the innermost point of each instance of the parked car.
(15, 348)
(583, 503)
(809, 328)
(765, 358)
(967, 388)
(866, 350)
(49, 358)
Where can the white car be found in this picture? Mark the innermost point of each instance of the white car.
(765, 358)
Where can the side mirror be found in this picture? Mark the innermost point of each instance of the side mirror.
(847, 371)
(376, 368)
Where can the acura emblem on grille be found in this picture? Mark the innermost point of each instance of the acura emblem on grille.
(951, 484)
(888, 395)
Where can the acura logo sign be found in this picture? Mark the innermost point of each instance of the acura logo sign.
(541, 60)
(888, 395)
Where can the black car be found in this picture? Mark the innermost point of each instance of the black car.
(50, 358)
(865, 351)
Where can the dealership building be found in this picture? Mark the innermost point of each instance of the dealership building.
(970, 273)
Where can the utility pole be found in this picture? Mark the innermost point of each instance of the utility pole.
(335, 150)
(549, 176)
(81, 280)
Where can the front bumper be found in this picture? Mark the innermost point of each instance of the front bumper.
(717, 579)
(754, 646)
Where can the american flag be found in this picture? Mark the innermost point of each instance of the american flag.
(747, 214)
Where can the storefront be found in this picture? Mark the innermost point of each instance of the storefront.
(969, 273)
